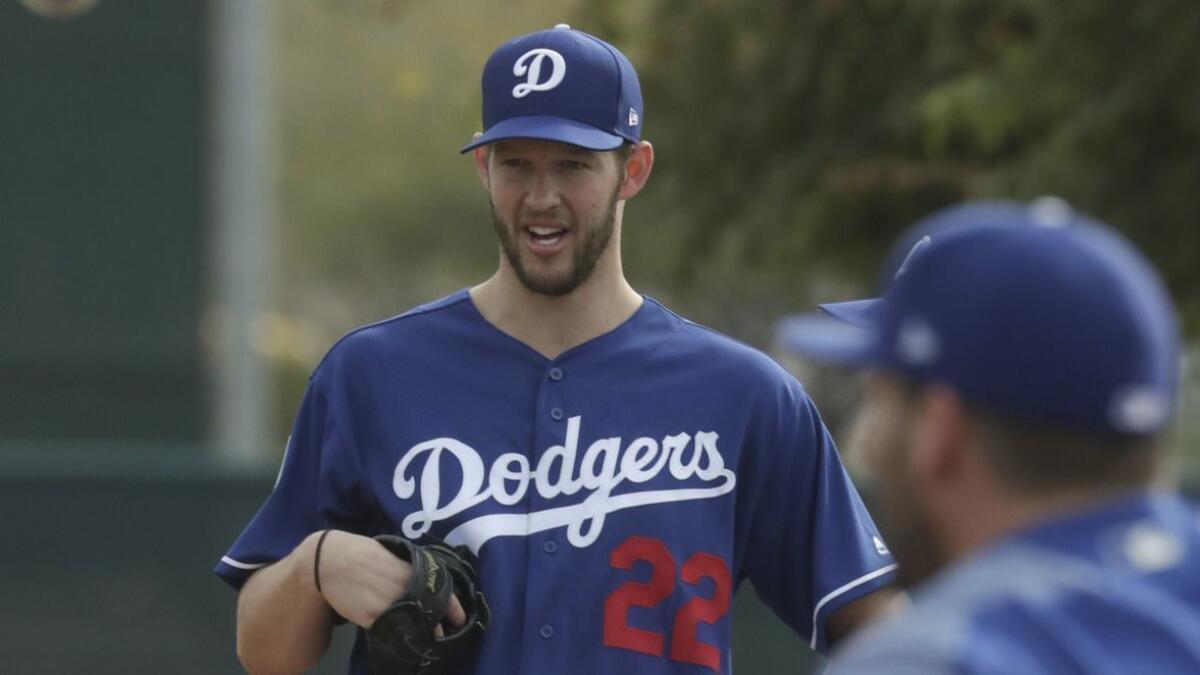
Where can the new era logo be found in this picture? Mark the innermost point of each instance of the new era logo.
(633, 117)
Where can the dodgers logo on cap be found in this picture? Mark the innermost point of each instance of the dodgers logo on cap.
(531, 63)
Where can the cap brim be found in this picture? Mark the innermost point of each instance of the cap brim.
(857, 312)
(822, 338)
(547, 128)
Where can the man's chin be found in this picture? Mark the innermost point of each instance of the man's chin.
(556, 285)
(918, 553)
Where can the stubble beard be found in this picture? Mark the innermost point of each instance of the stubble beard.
(909, 529)
(596, 236)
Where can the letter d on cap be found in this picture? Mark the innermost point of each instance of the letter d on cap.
(530, 67)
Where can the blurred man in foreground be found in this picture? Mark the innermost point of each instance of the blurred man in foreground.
(1023, 365)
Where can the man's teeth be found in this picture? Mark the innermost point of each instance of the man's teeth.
(547, 236)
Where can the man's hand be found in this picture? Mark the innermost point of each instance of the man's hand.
(360, 579)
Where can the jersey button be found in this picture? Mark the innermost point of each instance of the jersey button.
(556, 414)
(556, 374)
(549, 546)
(546, 631)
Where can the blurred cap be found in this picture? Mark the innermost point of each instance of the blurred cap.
(1033, 310)
(560, 85)
(1046, 211)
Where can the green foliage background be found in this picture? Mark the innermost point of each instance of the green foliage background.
(800, 137)
(794, 141)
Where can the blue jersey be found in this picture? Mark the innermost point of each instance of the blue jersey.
(616, 495)
(1115, 590)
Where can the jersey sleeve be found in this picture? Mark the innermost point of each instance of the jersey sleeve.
(320, 485)
(811, 546)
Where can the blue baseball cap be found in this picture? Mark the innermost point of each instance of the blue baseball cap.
(1045, 211)
(1038, 311)
(560, 85)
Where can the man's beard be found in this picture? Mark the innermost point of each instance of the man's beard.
(595, 237)
(908, 528)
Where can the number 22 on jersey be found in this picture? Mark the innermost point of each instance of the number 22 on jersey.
(684, 645)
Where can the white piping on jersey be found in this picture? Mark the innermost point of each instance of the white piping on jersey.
(605, 464)
(842, 589)
(241, 565)
(287, 447)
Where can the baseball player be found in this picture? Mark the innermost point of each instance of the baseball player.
(1024, 364)
(617, 469)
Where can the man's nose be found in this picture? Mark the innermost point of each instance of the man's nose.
(543, 193)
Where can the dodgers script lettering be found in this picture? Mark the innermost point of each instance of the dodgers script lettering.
(605, 464)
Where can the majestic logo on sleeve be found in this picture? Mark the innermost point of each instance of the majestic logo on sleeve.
(530, 65)
(605, 464)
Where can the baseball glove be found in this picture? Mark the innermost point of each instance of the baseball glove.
(402, 639)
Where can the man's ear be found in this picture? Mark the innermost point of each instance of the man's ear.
(481, 155)
(940, 435)
(637, 170)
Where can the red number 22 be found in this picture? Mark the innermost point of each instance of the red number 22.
(684, 645)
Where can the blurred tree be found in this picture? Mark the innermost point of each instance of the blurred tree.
(795, 139)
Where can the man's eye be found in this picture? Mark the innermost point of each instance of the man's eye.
(573, 165)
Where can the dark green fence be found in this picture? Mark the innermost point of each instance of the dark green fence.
(103, 123)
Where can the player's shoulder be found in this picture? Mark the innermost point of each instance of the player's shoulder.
(988, 614)
(415, 327)
(692, 340)
(930, 636)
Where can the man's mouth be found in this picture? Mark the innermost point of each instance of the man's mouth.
(546, 236)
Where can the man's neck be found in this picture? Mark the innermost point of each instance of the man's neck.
(1017, 513)
(550, 324)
